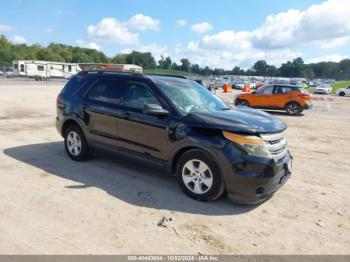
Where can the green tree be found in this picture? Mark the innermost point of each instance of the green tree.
(146, 60)
(119, 59)
(260, 68)
(185, 64)
(167, 62)
(174, 66)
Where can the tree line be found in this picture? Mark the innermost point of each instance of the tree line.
(65, 53)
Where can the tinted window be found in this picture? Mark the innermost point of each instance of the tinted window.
(40, 68)
(107, 90)
(74, 84)
(137, 96)
(282, 90)
(22, 68)
(265, 90)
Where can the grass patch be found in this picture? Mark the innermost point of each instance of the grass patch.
(169, 72)
(340, 84)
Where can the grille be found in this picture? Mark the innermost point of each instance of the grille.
(276, 143)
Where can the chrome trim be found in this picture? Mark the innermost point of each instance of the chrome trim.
(271, 137)
(276, 144)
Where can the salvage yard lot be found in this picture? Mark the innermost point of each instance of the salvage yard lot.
(50, 204)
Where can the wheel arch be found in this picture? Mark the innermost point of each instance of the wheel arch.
(69, 122)
(292, 101)
(177, 153)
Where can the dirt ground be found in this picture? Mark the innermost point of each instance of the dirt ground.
(50, 204)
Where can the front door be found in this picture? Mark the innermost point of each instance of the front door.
(262, 97)
(139, 132)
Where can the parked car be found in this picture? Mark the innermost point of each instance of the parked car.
(259, 85)
(177, 124)
(9, 73)
(323, 89)
(217, 84)
(343, 91)
(292, 99)
(206, 84)
(239, 84)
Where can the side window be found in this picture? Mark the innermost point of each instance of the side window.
(74, 84)
(107, 90)
(264, 90)
(267, 90)
(137, 95)
(40, 68)
(282, 90)
(22, 68)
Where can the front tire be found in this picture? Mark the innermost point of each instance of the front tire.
(293, 109)
(199, 176)
(76, 144)
(342, 93)
(243, 103)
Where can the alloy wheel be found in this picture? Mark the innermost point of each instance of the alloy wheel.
(74, 143)
(197, 176)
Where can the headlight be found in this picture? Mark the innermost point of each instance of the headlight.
(253, 145)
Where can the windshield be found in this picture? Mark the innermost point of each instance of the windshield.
(188, 96)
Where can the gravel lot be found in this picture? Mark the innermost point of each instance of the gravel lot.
(52, 205)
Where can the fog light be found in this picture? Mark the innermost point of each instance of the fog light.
(260, 190)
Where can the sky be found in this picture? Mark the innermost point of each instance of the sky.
(221, 33)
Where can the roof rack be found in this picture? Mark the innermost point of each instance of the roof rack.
(177, 76)
(110, 72)
(126, 73)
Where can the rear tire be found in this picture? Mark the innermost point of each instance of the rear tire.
(75, 143)
(199, 176)
(293, 109)
(342, 93)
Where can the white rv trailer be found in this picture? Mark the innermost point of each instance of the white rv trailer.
(44, 69)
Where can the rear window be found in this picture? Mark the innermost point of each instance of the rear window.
(74, 84)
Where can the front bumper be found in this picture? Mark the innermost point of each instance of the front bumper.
(256, 179)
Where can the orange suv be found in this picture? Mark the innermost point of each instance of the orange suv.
(292, 99)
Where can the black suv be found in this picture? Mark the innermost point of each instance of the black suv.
(178, 124)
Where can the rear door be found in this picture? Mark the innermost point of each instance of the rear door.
(139, 132)
(102, 106)
(281, 95)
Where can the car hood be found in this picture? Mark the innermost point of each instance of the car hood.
(237, 119)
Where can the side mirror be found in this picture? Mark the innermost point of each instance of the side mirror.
(155, 109)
